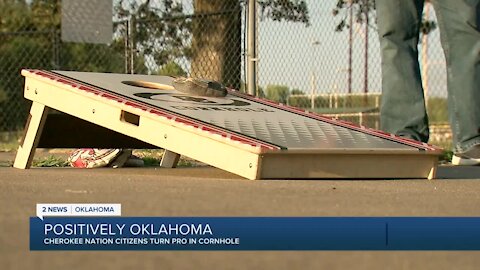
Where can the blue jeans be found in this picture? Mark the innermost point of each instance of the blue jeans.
(403, 105)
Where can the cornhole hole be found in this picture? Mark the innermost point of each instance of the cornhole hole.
(245, 135)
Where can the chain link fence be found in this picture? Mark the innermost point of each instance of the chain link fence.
(315, 55)
(332, 65)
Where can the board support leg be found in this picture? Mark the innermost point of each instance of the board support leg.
(31, 137)
(433, 173)
(169, 159)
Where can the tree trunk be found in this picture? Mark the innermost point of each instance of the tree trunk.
(216, 43)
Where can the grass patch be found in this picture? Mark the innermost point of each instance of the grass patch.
(152, 158)
(155, 162)
(9, 141)
(446, 156)
(6, 163)
(186, 163)
(151, 162)
(8, 146)
(50, 161)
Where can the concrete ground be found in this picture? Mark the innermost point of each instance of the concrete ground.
(207, 191)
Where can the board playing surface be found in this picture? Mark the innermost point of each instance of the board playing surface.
(239, 114)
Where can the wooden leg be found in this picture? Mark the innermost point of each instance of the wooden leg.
(169, 159)
(32, 133)
(433, 173)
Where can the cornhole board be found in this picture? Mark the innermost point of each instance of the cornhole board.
(251, 137)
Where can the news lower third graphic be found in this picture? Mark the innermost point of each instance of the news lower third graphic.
(101, 227)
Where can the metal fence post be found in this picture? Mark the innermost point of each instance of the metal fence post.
(252, 48)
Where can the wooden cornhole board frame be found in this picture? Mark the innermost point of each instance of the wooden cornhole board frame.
(97, 103)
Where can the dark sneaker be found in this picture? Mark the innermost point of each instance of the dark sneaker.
(471, 157)
(126, 159)
(134, 161)
(121, 159)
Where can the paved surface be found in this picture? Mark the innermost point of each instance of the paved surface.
(211, 192)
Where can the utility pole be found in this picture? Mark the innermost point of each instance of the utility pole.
(314, 77)
(350, 49)
(365, 72)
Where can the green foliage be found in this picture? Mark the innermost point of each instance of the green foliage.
(46, 14)
(155, 162)
(299, 101)
(13, 107)
(151, 161)
(297, 91)
(9, 17)
(172, 69)
(278, 93)
(9, 146)
(437, 106)
(23, 15)
(260, 92)
(342, 102)
(446, 156)
(161, 31)
(279, 10)
(50, 161)
(182, 163)
(9, 141)
(6, 163)
(437, 110)
(359, 8)
(30, 38)
(3, 96)
(107, 58)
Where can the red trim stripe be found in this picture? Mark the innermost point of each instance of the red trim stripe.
(214, 131)
(109, 96)
(135, 105)
(161, 113)
(187, 122)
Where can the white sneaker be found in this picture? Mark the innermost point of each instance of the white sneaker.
(469, 158)
(93, 157)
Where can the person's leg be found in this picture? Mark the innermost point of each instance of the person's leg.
(459, 24)
(402, 110)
